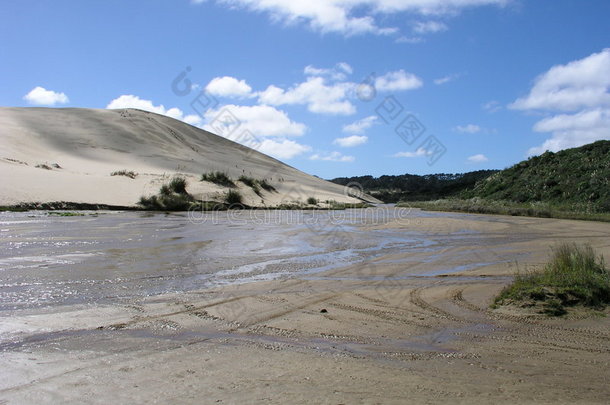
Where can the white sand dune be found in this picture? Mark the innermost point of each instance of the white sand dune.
(89, 144)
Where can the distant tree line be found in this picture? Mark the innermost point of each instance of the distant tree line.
(412, 187)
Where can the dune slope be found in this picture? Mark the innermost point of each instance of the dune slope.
(68, 154)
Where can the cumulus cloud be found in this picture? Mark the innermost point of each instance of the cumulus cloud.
(316, 93)
(429, 27)
(360, 126)
(420, 152)
(339, 72)
(576, 100)
(355, 16)
(571, 130)
(332, 157)
(131, 101)
(479, 158)
(351, 141)
(579, 84)
(41, 96)
(468, 129)
(228, 86)
(398, 80)
(282, 149)
(260, 120)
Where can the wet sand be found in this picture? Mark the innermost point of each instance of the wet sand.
(407, 320)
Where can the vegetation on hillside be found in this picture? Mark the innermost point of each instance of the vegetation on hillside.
(576, 179)
(573, 183)
(411, 187)
(573, 276)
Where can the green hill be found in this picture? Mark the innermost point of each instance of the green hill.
(411, 187)
(574, 179)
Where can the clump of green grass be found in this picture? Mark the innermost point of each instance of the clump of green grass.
(171, 197)
(220, 178)
(252, 183)
(266, 186)
(233, 197)
(178, 185)
(130, 174)
(573, 276)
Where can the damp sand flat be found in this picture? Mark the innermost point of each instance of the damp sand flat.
(140, 308)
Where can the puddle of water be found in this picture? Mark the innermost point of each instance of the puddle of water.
(53, 260)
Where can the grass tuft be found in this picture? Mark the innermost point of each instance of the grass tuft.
(178, 185)
(573, 276)
(267, 186)
(233, 197)
(130, 174)
(252, 183)
(312, 201)
(220, 178)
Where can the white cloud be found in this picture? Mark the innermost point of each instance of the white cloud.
(339, 72)
(576, 100)
(479, 158)
(571, 130)
(492, 106)
(228, 86)
(131, 101)
(360, 126)
(429, 27)
(579, 84)
(282, 149)
(598, 118)
(445, 79)
(260, 120)
(325, 91)
(469, 129)
(319, 96)
(409, 40)
(398, 80)
(420, 152)
(332, 157)
(352, 17)
(41, 96)
(351, 141)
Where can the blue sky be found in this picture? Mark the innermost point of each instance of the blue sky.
(335, 87)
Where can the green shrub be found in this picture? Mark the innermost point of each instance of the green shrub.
(574, 275)
(171, 197)
(165, 190)
(220, 178)
(233, 197)
(178, 185)
(312, 201)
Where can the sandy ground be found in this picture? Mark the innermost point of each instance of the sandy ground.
(349, 335)
(87, 145)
